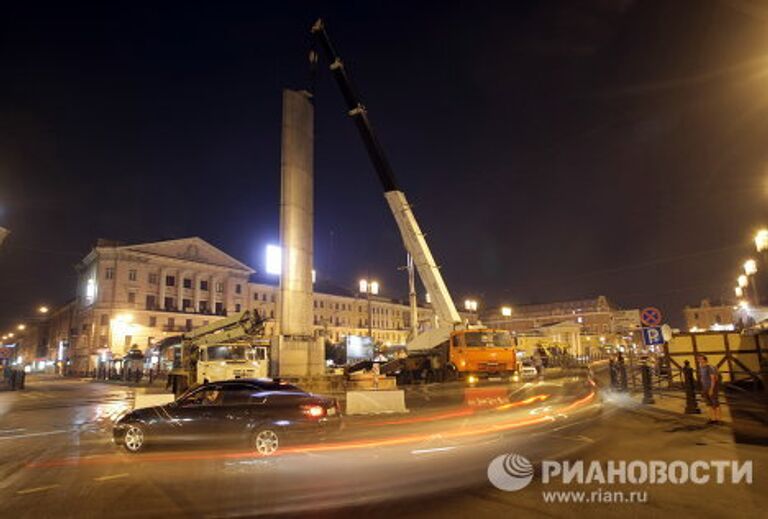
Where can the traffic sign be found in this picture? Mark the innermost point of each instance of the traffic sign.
(652, 336)
(650, 316)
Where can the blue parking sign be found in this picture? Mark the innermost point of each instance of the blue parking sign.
(652, 336)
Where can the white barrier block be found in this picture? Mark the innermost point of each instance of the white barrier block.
(374, 402)
(142, 400)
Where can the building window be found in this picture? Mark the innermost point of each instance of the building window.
(271, 314)
(189, 324)
(322, 304)
(264, 297)
(219, 287)
(131, 297)
(152, 320)
(187, 283)
(171, 323)
(219, 307)
(238, 289)
(237, 307)
(104, 319)
(151, 302)
(109, 273)
(169, 304)
(204, 285)
(255, 296)
(132, 275)
(272, 298)
(186, 303)
(203, 307)
(153, 278)
(170, 281)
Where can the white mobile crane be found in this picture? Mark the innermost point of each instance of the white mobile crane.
(441, 349)
(229, 348)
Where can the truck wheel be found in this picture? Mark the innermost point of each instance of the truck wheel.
(266, 441)
(134, 439)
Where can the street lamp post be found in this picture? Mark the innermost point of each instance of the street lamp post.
(369, 288)
(750, 269)
(470, 305)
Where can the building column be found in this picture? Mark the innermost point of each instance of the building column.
(180, 287)
(212, 290)
(196, 281)
(161, 302)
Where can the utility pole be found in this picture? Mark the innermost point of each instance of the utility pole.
(412, 297)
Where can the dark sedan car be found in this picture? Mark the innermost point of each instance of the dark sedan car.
(263, 413)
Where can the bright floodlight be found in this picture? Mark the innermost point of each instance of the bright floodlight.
(470, 305)
(369, 287)
(21, 327)
(750, 267)
(743, 281)
(761, 240)
(506, 311)
(738, 291)
(274, 264)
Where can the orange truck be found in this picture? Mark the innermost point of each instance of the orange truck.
(469, 354)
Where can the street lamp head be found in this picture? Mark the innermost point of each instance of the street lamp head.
(506, 311)
(738, 291)
(43, 309)
(761, 240)
(363, 286)
(374, 287)
(470, 305)
(750, 267)
(743, 281)
(21, 327)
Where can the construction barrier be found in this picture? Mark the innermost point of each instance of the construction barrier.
(736, 356)
(376, 402)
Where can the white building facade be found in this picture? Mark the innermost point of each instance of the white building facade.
(131, 296)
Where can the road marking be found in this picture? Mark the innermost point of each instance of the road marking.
(30, 435)
(36, 489)
(8, 431)
(112, 476)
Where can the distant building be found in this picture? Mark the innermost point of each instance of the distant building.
(135, 295)
(708, 316)
(565, 321)
(595, 316)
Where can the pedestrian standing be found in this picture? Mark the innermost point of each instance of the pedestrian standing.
(710, 388)
(538, 363)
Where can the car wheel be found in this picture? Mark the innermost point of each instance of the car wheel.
(134, 439)
(266, 441)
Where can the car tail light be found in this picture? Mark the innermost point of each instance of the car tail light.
(313, 411)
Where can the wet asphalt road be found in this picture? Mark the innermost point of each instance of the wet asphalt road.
(57, 460)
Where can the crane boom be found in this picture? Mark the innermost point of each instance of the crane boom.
(413, 238)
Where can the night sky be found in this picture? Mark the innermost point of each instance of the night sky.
(552, 150)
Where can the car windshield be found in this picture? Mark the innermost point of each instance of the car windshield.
(229, 352)
(494, 339)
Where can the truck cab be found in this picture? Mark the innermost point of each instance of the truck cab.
(482, 352)
(231, 361)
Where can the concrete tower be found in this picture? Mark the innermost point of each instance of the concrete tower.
(299, 352)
